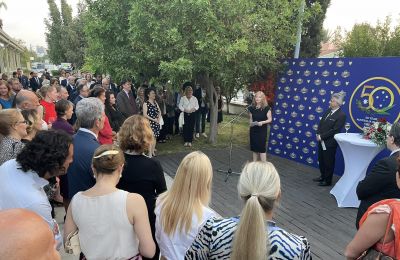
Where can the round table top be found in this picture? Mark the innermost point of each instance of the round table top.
(354, 138)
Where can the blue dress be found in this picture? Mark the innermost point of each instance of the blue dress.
(6, 103)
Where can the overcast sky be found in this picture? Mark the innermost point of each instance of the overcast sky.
(24, 19)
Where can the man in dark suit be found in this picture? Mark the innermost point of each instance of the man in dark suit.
(22, 78)
(380, 183)
(90, 113)
(126, 103)
(108, 86)
(71, 86)
(331, 123)
(34, 82)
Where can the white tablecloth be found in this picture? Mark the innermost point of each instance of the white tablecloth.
(358, 154)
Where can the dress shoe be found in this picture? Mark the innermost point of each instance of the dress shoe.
(324, 183)
(319, 179)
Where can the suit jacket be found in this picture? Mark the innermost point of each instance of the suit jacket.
(127, 106)
(331, 125)
(80, 175)
(70, 89)
(378, 185)
(64, 83)
(24, 81)
(35, 84)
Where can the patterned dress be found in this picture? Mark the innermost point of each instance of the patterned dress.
(215, 239)
(153, 112)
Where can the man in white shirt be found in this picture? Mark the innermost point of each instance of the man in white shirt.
(22, 179)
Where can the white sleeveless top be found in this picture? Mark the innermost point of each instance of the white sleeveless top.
(104, 228)
(174, 247)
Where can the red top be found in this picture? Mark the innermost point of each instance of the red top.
(49, 111)
(105, 134)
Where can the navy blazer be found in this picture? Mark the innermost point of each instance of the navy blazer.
(80, 174)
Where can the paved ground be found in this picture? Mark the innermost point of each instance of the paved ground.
(305, 208)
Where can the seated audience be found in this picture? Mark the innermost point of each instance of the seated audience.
(142, 175)
(380, 183)
(100, 213)
(12, 130)
(34, 123)
(183, 210)
(106, 134)
(22, 179)
(114, 115)
(90, 116)
(6, 95)
(24, 235)
(253, 234)
(379, 229)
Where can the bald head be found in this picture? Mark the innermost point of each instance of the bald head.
(25, 235)
(26, 99)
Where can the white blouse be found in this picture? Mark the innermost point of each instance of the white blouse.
(174, 247)
(186, 105)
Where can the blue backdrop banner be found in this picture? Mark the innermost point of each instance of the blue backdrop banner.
(303, 94)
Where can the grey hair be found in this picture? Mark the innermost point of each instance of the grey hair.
(339, 97)
(395, 133)
(88, 111)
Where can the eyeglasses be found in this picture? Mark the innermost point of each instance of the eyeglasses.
(23, 122)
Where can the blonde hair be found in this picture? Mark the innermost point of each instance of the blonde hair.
(45, 89)
(187, 90)
(264, 102)
(32, 117)
(3, 82)
(8, 118)
(190, 191)
(107, 158)
(136, 134)
(259, 186)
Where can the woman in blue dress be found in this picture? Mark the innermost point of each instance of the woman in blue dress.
(6, 95)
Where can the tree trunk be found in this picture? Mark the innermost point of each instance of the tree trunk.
(228, 102)
(207, 81)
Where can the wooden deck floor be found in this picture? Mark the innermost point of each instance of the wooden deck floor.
(305, 208)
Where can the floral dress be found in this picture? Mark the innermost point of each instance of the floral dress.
(153, 112)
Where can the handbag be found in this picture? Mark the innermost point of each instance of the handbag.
(373, 254)
(72, 245)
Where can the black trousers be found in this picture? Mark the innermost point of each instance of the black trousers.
(163, 130)
(176, 121)
(169, 125)
(188, 127)
(201, 115)
(326, 161)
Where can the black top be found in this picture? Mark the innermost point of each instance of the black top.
(378, 185)
(145, 176)
(331, 125)
(115, 117)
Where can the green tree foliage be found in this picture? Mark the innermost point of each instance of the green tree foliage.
(65, 36)
(221, 42)
(365, 40)
(313, 34)
(54, 34)
(107, 34)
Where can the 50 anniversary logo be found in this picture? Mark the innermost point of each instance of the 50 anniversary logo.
(374, 98)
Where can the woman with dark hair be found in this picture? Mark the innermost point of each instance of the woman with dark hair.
(111, 223)
(22, 179)
(64, 110)
(106, 134)
(114, 115)
(6, 95)
(152, 112)
(141, 174)
(12, 130)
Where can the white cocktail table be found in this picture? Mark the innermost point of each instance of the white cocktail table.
(358, 154)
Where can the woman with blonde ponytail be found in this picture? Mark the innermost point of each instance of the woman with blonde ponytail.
(252, 235)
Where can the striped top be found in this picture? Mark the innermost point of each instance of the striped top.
(215, 239)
